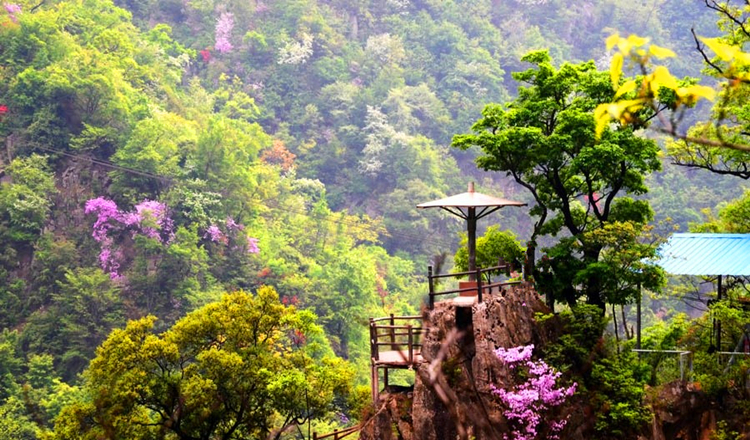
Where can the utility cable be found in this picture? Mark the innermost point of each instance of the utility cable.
(351, 222)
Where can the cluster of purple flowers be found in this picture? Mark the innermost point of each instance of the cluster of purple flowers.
(12, 10)
(149, 218)
(224, 26)
(529, 400)
(252, 245)
(216, 235)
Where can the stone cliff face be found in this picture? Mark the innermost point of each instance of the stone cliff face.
(454, 381)
(682, 411)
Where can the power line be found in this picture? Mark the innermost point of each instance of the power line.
(352, 221)
(107, 164)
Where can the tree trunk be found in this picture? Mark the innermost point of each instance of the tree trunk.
(594, 294)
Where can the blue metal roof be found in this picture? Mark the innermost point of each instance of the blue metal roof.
(706, 254)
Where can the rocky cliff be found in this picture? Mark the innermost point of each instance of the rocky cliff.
(454, 382)
(452, 394)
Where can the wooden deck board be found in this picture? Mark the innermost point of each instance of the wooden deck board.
(397, 358)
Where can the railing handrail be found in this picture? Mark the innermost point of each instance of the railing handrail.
(408, 339)
(478, 288)
(403, 318)
(379, 326)
(380, 344)
(682, 354)
(473, 289)
(338, 434)
(643, 350)
(472, 272)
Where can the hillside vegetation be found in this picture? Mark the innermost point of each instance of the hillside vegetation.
(167, 164)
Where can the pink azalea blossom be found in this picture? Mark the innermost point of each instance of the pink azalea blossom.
(527, 402)
(252, 245)
(108, 215)
(224, 26)
(150, 218)
(12, 10)
(157, 222)
(233, 225)
(214, 234)
(514, 355)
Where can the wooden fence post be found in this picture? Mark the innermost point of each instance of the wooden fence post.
(479, 284)
(411, 344)
(393, 333)
(432, 287)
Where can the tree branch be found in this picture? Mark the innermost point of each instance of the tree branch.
(699, 48)
(703, 141)
(724, 11)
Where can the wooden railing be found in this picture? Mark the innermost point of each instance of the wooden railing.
(337, 434)
(403, 346)
(401, 338)
(479, 289)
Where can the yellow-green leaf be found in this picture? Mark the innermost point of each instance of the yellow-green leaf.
(723, 51)
(617, 109)
(637, 41)
(742, 58)
(602, 118)
(662, 78)
(624, 45)
(615, 69)
(697, 91)
(627, 87)
(660, 52)
(612, 40)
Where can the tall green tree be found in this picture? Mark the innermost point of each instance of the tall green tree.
(244, 367)
(494, 246)
(546, 141)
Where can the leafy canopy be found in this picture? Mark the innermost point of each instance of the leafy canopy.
(546, 140)
(244, 367)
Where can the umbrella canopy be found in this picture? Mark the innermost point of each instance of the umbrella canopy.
(470, 199)
(465, 206)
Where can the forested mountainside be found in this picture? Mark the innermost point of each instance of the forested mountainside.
(157, 155)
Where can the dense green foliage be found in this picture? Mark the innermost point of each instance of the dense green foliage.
(581, 183)
(493, 248)
(288, 143)
(244, 367)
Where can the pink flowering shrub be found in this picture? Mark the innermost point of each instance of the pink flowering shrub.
(12, 9)
(216, 235)
(153, 220)
(149, 218)
(527, 403)
(252, 245)
(224, 26)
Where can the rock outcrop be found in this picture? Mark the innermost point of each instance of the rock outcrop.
(454, 382)
(452, 394)
(683, 411)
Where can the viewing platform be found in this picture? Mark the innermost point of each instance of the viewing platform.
(395, 343)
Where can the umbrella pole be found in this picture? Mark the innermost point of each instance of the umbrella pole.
(471, 221)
